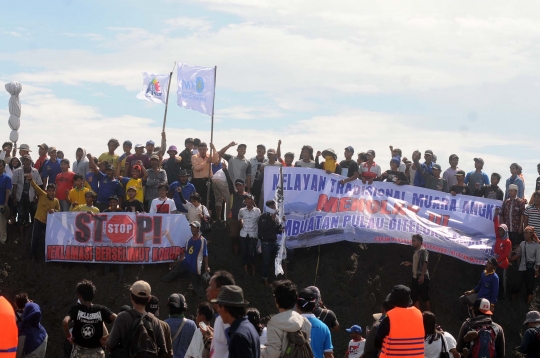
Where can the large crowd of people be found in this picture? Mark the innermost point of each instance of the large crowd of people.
(212, 187)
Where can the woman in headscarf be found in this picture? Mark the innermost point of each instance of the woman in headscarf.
(501, 249)
(330, 164)
(32, 335)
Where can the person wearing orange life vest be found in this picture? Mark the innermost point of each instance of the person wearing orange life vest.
(401, 332)
(8, 327)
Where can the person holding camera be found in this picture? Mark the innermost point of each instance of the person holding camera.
(529, 252)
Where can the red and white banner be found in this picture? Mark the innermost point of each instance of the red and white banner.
(120, 238)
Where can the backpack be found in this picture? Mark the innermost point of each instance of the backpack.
(141, 342)
(299, 346)
(483, 346)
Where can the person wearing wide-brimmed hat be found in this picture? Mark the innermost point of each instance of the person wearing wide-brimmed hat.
(244, 339)
(330, 164)
(530, 344)
(401, 332)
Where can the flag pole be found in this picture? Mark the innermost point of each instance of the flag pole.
(209, 182)
(167, 100)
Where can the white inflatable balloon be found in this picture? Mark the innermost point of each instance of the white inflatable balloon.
(14, 122)
(14, 136)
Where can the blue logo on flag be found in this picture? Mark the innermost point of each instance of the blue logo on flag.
(199, 84)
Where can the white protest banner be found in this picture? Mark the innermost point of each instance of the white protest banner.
(125, 238)
(319, 210)
(154, 88)
(196, 86)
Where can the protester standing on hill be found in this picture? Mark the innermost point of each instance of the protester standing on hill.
(491, 191)
(329, 164)
(256, 164)
(248, 218)
(460, 187)
(487, 287)
(5, 192)
(239, 166)
(369, 170)
(477, 178)
(269, 226)
(450, 174)
(516, 180)
(420, 274)
(502, 250)
(418, 179)
(306, 158)
(47, 204)
(531, 216)
(512, 214)
(529, 253)
(432, 180)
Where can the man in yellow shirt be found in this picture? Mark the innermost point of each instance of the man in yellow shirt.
(88, 207)
(47, 204)
(109, 156)
(76, 195)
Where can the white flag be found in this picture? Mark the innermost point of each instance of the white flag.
(154, 88)
(280, 206)
(196, 88)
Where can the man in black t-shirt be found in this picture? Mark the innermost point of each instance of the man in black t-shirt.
(321, 312)
(349, 167)
(460, 187)
(88, 322)
(131, 204)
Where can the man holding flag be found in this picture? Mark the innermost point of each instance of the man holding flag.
(269, 227)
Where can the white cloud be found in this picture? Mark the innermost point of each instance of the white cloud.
(196, 24)
(89, 36)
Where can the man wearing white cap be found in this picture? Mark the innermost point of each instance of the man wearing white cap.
(512, 214)
(141, 294)
(530, 343)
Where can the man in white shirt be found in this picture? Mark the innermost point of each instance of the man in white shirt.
(450, 174)
(162, 204)
(249, 217)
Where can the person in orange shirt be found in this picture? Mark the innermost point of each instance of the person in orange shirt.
(202, 172)
(64, 183)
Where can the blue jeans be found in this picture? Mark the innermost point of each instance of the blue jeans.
(269, 251)
(248, 245)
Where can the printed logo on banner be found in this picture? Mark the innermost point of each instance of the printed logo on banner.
(154, 89)
(120, 229)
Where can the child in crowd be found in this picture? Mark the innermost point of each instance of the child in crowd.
(357, 342)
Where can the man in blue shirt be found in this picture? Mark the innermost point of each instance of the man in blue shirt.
(427, 166)
(182, 184)
(514, 179)
(193, 261)
(108, 186)
(477, 179)
(321, 340)
(5, 190)
(487, 287)
(182, 329)
(51, 168)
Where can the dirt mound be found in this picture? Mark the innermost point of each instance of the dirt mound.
(353, 279)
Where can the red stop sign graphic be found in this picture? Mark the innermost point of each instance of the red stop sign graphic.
(120, 229)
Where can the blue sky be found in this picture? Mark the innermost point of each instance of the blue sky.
(453, 77)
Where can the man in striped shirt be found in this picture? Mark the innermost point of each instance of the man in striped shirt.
(532, 213)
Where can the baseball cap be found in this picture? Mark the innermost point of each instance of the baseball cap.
(479, 160)
(460, 172)
(113, 197)
(52, 149)
(109, 167)
(370, 152)
(271, 151)
(493, 261)
(173, 148)
(153, 305)
(177, 300)
(132, 188)
(436, 166)
(452, 156)
(195, 224)
(248, 196)
(139, 145)
(141, 289)
(25, 147)
(261, 146)
(239, 181)
(154, 156)
(513, 187)
(428, 152)
(26, 156)
(350, 149)
(150, 142)
(354, 328)
(128, 142)
(532, 317)
(483, 306)
(43, 145)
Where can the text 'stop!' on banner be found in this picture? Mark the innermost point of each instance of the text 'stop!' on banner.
(123, 238)
(319, 210)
